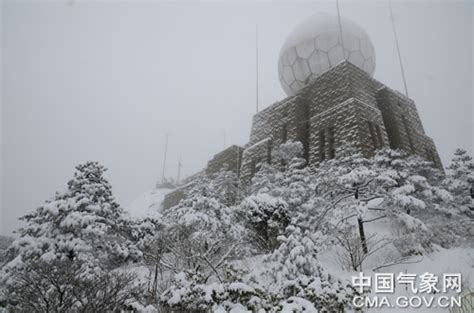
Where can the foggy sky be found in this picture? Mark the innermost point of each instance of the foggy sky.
(106, 81)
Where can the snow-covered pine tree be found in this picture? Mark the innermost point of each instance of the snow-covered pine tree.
(450, 220)
(66, 255)
(294, 271)
(201, 231)
(287, 177)
(265, 217)
(82, 223)
(391, 185)
(278, 193)
(227, 186)
(460, 181)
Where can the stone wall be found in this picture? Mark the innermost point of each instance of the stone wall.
(346, 122)
(231, 158)
(404, 127)
(174, 197)
(253, 156)
(171, 199)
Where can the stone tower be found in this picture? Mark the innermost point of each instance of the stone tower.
(343, 104)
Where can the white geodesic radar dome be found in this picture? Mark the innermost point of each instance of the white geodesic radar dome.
(315, 46)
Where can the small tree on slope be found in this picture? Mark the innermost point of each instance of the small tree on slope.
(226, 186)
(389, 185)
(201, 232)
(294, 271)
(279, 191)
(460, 181)
(83, 223)
(81, 234)
(287, 177)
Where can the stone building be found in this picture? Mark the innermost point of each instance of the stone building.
(343, 104)
(326, 67)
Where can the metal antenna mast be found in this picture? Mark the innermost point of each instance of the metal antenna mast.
(256, 63)
(340, 28)
(179, 171)
(164, 160)
(398, 47)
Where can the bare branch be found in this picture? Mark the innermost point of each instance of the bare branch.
(374, 219)
(397, 262)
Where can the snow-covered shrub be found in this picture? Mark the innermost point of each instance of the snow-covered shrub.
(83, 223)
(287, 177)
(449, 233)
(61, 286)
(190, 293)
(5, 242)
(227, 187)
(296, 305)
(71, 244)
(389, 186)
(324, 291)
(265, 218)
(294, 271)
(459, 181)
(202, 232)
(295, 257)
(350, 251)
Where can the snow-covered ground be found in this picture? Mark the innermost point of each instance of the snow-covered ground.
(148, 203)
(441, 261)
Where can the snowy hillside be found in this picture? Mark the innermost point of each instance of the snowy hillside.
(388, 233)
(148, 203)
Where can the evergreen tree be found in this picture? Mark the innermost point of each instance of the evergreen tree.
(460, 181)
(295, 272)
(390, 185)
(281, 192)
(227, 187)
(265, 218)
(65, 257)
(287, 177)
(202, 232)
(82, 223)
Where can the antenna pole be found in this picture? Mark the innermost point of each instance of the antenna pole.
(340, 28)
(398, 47)
(164, 160)
(256, 63)
(179, 171)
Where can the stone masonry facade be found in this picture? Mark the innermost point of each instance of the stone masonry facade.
(231, 158)
(342, 105)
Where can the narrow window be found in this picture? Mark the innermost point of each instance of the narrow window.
(379, 136)
(269, 154)
(284, 134)
(331, 150)
(253, 168)
(428, 155)
(408, 133)
(322, 144)
(372, 134)
(432, 156)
